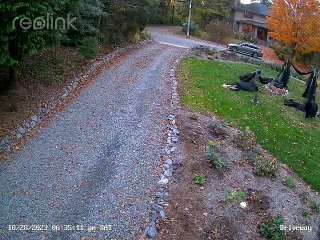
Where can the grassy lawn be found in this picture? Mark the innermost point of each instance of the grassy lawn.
(282, 130)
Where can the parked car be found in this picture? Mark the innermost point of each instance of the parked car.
(246, 48)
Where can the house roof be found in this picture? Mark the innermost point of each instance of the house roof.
(261, 25)
(256, 8)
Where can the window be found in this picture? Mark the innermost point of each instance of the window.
(247, 14)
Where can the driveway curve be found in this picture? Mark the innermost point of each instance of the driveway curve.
(94, 163)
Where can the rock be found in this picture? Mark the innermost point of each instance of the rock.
(19, 136)
(34, 118)
(154, 216)
(169, 162)
(166, 166)
(22, 131)
(33, 124)
(152, 231)
(162, 215)
(75, 85)
(157, 207)
(173, 149)
(163, 182)
(159, 194)
(167, 173)
(171, 117)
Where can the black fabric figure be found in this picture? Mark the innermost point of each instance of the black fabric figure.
(310, 107)
(247, 86)
(266, 80)
(248, 77)
(284, 76)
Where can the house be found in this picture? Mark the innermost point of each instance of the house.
(250, 19)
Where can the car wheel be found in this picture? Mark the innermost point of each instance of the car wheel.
(234, 49)
(255, 55)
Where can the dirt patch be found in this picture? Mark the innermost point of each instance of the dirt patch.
(206, 212)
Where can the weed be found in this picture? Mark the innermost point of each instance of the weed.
(214, 158)
(289, 182)
(234, 195)
(245, 140)
(89, 47)
(269, 226)
(194, 117)
(263, 164)
(305, 213)
(198, 179)
(315, 206)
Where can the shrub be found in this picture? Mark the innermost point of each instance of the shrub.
(281, 50)
(269, 226)
(289, 182)
(177, 20)
(234, 195)
(219, 32)
(198, 179)
(194, 29)
(194, 117)
(265, 165)
(89, 47)
(245, 140)
(117, 38)
(315, 206)
(214, 158)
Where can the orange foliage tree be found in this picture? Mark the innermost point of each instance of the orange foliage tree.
(296, 23)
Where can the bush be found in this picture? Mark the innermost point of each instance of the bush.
(234, 195)
(214, 158)
(315, 206)
(177, 20)
(269, 226)
(89, 47)
(198, 179)
(219, 32)
(194, 29)
(245, 140)
(263, 164)
(281, 50)
(289, 182)
(245, 38)
(117, 38)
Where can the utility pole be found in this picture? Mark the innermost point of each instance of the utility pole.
(189, 20)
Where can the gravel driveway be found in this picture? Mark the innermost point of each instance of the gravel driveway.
(94, 163)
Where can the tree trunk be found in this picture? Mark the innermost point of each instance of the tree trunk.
(13, 51)
(13, 79)
(173, 11)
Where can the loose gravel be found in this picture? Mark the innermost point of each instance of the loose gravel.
(94, 163)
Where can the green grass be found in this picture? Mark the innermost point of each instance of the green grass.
(282, 130)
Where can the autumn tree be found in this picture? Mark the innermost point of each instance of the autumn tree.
(296, 23)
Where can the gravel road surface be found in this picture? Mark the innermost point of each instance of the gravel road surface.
(93, 164)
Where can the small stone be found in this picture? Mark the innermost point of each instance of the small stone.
(167, 173)
(22, 131)
(159, 194)
(152, 231)
(34, 118)
(173, 149)
(157, 208)
(33, 124)
(19, 136)
(169, 162)
(163, 181)
(154, 216)
(162, 215)
(166, 166)
(75, 85)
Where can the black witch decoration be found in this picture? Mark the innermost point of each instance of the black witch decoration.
(283, 78)
(310, 107)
